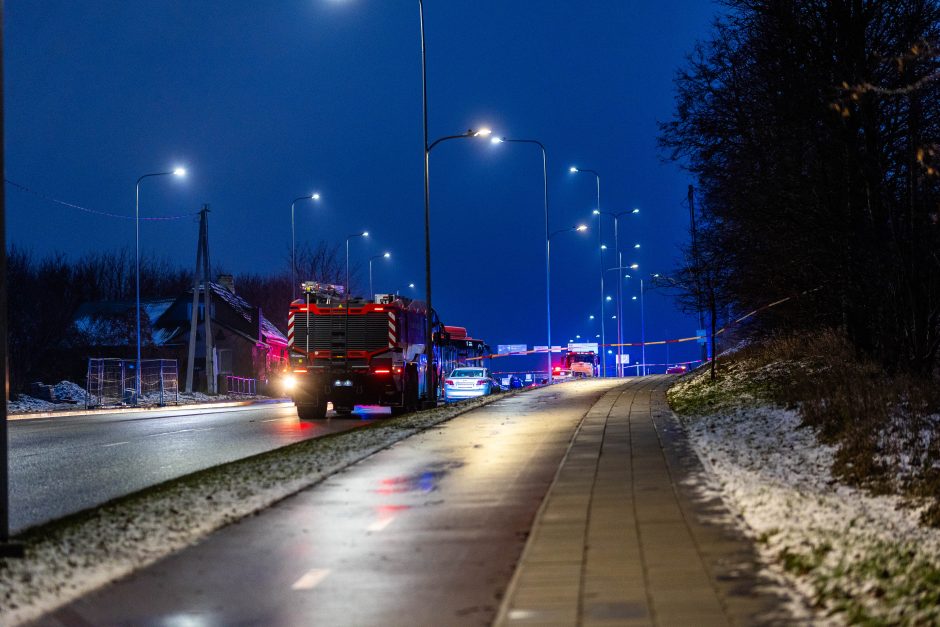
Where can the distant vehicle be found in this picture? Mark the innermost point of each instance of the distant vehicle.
(581, 364)
(469, 383)
(676, 369)
(559, 373)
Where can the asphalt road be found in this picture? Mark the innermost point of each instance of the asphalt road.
(62, 465)
(426, 532)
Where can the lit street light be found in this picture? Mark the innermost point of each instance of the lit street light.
(363, 234)
(175, 172)
(548, 280)
(597, 212)
(619, 254)
(371, 259)
(293, 240)
(548, 304)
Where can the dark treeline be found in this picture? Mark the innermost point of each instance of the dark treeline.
(812, 129)
(46, 293)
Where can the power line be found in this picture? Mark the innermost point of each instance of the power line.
(48, 198)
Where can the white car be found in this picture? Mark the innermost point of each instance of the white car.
(468, 382)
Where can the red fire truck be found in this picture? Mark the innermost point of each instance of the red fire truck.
(355, 352)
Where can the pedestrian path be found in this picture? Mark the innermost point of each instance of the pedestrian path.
(622, 538)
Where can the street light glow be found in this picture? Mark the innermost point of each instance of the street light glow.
(603, 246)
(609, 299)
(636, 245)
(315, 196)
(634, 266)
(387, 255)
(572, 169)
(591, 316)
(581, 227)
(365, 234)
(483, 132)
(411, 285)
(497, 140)
(179, 171)
(633, 298)
(636, 211)
(596, 212)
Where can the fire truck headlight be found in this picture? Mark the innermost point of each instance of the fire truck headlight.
(289, 382)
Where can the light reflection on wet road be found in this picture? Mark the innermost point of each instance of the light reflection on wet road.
(66, 464)
(426, 532)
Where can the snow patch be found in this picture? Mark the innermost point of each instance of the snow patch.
(856, 555)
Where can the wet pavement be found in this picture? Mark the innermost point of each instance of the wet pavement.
(426, 532)
(62, 465)
(571, 505)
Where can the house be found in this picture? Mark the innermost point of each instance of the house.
(246, 343)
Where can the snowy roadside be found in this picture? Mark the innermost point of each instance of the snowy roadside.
(70, 397)
(854, 557)
(72, 557)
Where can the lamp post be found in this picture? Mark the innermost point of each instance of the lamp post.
(371, 259)
(430, 380)
(175, 172)
(597, 209)
(548, 283)
(619, 254)
(548, 303)
(363, 234)
(293, 241)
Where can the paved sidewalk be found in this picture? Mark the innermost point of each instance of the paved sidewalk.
(623, 539)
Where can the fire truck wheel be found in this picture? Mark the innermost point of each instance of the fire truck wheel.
(313, 411)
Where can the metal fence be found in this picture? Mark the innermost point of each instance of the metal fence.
(241, 385)
(113, 382)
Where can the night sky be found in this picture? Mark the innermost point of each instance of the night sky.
(266, 101)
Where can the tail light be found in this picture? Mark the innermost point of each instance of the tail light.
(382, 371)
(482, 382)
(448, 381)
(557, 368)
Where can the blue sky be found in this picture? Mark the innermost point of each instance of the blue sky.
(265, 101)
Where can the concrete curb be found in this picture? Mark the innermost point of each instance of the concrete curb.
(66, 413)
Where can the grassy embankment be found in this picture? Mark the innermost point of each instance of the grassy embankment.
(884, 434)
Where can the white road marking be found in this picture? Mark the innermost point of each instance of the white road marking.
(310, 579)
(381, 524)
(114, 444)
(154, 435)
(272, 419)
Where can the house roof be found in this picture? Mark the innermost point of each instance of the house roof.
(246, 310)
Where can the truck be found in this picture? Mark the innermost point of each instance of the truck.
(351, 351)
(582, 359)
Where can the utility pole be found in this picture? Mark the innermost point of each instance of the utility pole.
(202, 263)
(7, 548)
(695, 263)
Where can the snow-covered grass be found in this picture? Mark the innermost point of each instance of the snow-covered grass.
(855, 556)
(70, 396)
(76, 555)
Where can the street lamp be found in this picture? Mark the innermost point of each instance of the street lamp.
(431, 381)
(371, 259)
(180, 172)
(293, 258)
(548, 283)
(616, 217)
(349, 237)
(597, 212)
(548, 304)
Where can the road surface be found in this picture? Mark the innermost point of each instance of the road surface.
(62, 465)
(426, 532)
